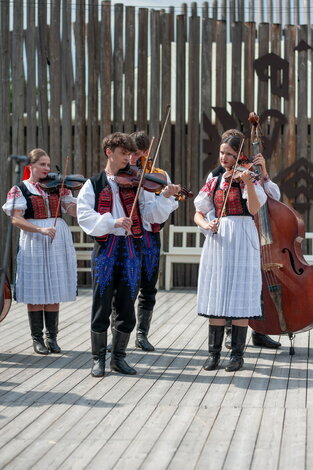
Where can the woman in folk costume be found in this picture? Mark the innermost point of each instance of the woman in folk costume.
(230, 282)
(46, 260)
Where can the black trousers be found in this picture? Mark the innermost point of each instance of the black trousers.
(150, 270)
(116, 270)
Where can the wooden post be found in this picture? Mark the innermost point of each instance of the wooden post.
(31, 107)
(94, 163)
(80, 91)
(67, 86)
(154, 75)
(142, 74)
(106, 70)
(43, 60)
(118, 58)
(129, 100)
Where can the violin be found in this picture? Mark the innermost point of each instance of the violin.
(54, 181)
(244, 164)
(129, 177)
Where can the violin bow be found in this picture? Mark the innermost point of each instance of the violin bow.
(60, 192)
(230, 183)
(141, 179)
(167, 114)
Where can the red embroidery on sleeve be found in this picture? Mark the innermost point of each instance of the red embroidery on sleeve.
(14, 193)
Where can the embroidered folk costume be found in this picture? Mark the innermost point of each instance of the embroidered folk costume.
(230, 281)
(117, 256)
(46, 259)
(151, 255)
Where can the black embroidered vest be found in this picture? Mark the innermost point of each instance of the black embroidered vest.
(104, 203)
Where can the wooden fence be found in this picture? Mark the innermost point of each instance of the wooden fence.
(80, 70)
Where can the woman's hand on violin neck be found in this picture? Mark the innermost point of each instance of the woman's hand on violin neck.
(123, 222)
(171, 190)
(247, 177)
(48, 231)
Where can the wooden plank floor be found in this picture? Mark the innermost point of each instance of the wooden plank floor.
(171, 415)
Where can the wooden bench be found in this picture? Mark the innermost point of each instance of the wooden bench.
(184, 246)
(83, 246)
(180, 251)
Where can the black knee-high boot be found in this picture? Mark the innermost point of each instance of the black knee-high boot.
(52, 329)
(119, 345)
(36, 328)
(143, 326)
(98, 349)
(238, 342)
(216, 334)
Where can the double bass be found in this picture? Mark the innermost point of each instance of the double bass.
(6, 297)
(287, 287)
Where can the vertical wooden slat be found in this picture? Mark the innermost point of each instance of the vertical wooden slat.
(165, 149)
(55, 84)
(221, 68)
(43, 59)
(269, 11)
(249, 39)
(80, 91)
(215, 10)
(241, 11)
(251, 10)
(142, 78)
(94, 162)
(4, 114)
(106, 69)
(263, 41)
(290, 104)
(154, 74)
(31, 107)
(276, 158)
(130, 70)
(205, 9)
(18, 84)
(302, 121)
(236, 61)
(180, 169)
(67, 86)
(118, 68)
(288, 12)
(193, 113)
(206, 87)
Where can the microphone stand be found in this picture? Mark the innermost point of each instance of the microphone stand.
(7, 245)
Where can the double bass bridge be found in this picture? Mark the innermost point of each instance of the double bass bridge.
(270, 266)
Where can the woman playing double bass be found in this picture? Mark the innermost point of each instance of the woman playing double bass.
(230, 282)
(46, 259)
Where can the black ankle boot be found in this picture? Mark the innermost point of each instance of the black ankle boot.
(143, 326)
(238, 342)
(119, 345)
(52, 329)
(216, 334)
(36, 328)
(98, 349)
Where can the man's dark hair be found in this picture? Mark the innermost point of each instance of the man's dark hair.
(141, 140)
(118, 139)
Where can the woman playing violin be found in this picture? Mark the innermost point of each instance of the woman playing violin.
(230, 282)
(46, 259)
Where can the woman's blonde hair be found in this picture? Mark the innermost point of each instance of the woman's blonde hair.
(35, 154)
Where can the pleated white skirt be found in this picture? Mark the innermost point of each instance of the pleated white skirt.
(230, 281)
(46, 270)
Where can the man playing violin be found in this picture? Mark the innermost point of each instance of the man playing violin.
(151, 255)
(272, 190)
(103, 210)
